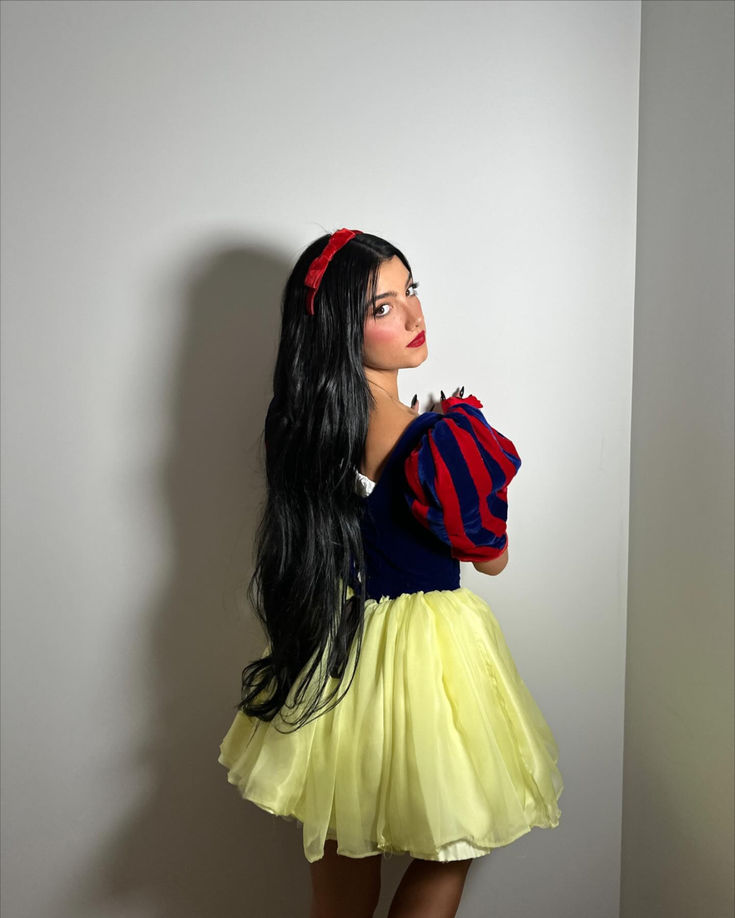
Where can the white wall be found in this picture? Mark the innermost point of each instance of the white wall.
(163, 165)
(678, 805)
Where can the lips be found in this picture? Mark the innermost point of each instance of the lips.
(418, 340)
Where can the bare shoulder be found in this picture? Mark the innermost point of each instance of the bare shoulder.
(386, 426)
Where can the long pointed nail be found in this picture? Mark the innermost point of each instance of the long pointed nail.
(441, 393)
(461, 391)
(414, 400)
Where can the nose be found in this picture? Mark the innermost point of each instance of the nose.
(414, 314)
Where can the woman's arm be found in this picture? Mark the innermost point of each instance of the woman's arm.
(494, 566)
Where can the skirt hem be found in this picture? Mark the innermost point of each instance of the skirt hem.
(464, 848)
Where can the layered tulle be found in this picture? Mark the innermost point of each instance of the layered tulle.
(437, 750)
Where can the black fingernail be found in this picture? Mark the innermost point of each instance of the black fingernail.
(441, 393)
(461, 391)
(414, 400)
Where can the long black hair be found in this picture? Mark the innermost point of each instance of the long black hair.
(308, 585)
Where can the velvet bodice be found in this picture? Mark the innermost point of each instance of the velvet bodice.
(401, 555)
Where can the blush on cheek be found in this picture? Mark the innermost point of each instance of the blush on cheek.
(379, 335)
(377, 341)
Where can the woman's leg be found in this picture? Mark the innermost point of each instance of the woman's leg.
(344, 887)
(430, 889)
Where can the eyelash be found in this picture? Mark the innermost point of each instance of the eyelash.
(412, 286)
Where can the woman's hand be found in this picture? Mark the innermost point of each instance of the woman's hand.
(437, 406)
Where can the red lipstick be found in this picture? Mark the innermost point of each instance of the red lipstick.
(418, 340)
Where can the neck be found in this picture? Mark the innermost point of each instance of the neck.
(383, 383)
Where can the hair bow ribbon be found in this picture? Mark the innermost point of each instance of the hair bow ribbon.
(317, 268)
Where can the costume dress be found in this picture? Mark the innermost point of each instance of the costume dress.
(437, 749)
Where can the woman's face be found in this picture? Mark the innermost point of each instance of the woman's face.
(393, 320)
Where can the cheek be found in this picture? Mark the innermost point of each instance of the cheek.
(379, 337)
(380, 332)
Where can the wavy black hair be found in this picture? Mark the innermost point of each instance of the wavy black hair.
(308, 585)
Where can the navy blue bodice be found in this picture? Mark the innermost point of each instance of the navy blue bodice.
(401, 555)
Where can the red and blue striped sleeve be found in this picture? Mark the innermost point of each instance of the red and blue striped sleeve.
(457, 475)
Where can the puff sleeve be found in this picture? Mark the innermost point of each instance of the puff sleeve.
(457, 476)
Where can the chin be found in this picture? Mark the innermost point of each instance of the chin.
(419, 357)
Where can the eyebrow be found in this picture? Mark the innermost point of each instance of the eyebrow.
(390, 292)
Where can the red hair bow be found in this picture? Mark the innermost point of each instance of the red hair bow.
(319, 265)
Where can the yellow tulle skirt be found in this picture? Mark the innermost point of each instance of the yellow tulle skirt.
(437, 750)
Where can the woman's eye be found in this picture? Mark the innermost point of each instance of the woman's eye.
(384, 308)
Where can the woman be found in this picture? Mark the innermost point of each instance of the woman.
(386, 714)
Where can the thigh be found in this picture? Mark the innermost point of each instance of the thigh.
(430, 889)
(344, 885)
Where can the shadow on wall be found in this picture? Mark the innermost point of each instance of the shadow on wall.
(194, 848)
